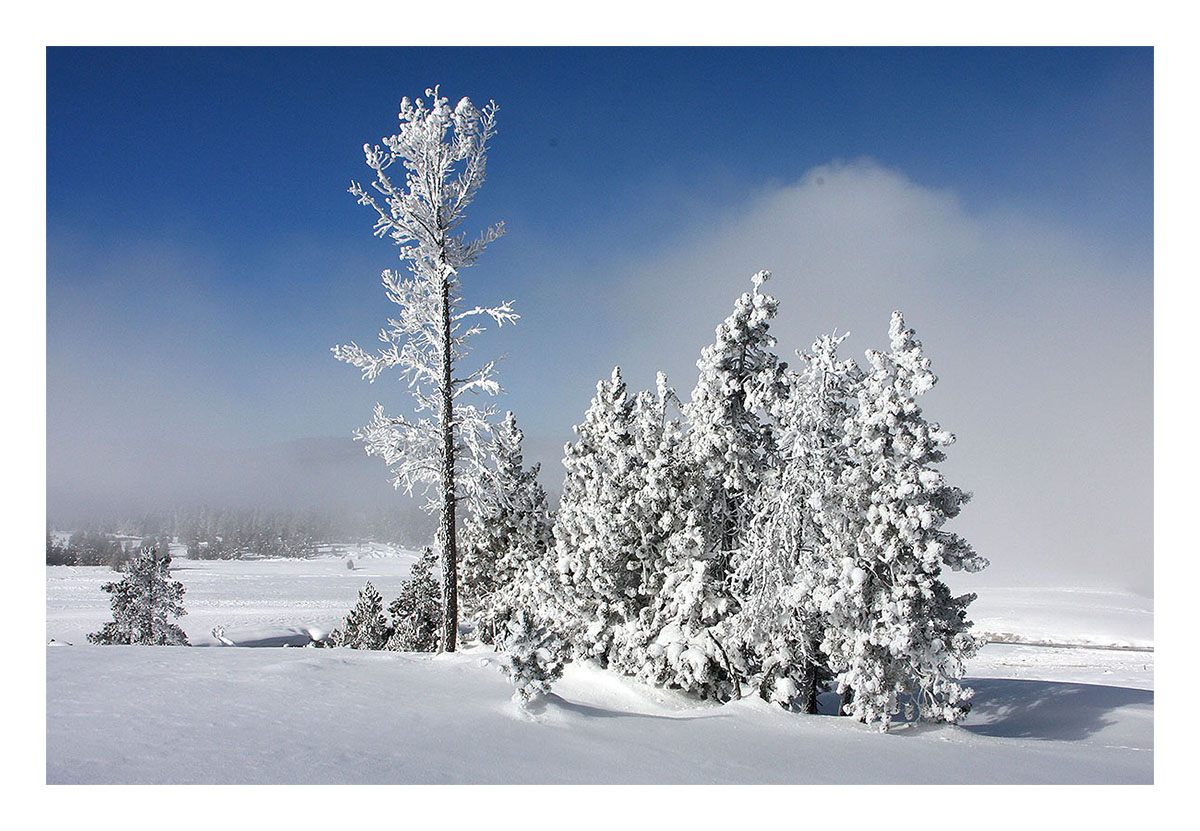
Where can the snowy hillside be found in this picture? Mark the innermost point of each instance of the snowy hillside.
(229, 715)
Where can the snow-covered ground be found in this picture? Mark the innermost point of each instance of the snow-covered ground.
(1064, 617)
(229, 715)
(252, 599)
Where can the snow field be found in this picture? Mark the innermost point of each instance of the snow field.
(251, 599)
(1063, 616)
(225, 716)
(228, 715)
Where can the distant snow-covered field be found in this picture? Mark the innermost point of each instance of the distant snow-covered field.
(1064, 617)
(240, 715)
(251, 599)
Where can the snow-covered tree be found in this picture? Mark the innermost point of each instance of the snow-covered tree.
(895, 635)
(622, 502)
(795, 531)
(417, 610)
(143, 601)
(443, 153)
(509, 527)
(730, 439)
(535, 653)
(667, 636)
(683, 645)
(663, 488)
(511, 582)
(639, 594)
(365, 626)
(594, 544)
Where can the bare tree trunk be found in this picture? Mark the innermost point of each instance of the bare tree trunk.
(737, 685)
(449, 498)
(808, 689)
(847, 700)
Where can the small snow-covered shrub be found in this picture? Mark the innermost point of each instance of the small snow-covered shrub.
(535, 655)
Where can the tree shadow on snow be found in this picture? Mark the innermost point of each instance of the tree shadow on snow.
(593, 711)
(1058, 711)
(296, 639)
(259, 639)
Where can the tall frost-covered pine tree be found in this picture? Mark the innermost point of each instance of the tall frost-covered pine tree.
(442, 151)
(894, 632)
(796, 529)
(143, 601)
(730, 440)
(508, 529)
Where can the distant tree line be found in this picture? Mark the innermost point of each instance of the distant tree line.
(229, 533)
(236, 534)
(89, 547)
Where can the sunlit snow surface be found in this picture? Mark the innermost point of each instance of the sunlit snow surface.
(272, 715)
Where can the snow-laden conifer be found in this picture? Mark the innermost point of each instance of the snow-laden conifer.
(667, 636)
(895, 635)
(730, 439)
(534, 623)
(657, 496)
(684, 646)
(143, 602)
(630, 491)
(509, 527)
(535, 653)
(366, 626)
(595, 546)
(442, 151)
(796, 528)
(417, 610)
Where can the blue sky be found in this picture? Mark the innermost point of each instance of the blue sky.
(202, 254)
(246, 146)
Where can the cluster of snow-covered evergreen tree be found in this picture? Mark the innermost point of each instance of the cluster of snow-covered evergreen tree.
(781, 531)
(413, 622)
